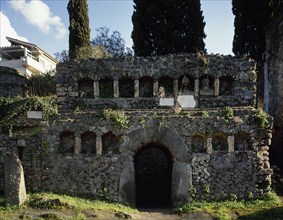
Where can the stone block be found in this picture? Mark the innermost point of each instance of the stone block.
(15, 189)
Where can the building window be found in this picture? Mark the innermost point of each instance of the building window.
(126, 87)
(198, 143)
(106, 89)
(219, 142)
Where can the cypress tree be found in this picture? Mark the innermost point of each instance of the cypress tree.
(79, 37)
(167, 26)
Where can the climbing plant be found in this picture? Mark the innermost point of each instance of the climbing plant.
(11, 108)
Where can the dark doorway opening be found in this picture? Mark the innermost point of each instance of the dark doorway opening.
(153, 170)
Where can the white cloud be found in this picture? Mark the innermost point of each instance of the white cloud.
(38, 14)
(7, 30)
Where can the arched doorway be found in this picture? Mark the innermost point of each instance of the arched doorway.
(153, 174)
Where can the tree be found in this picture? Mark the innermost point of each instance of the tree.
(167, 26)
(79, 37)
(62, 56)
(113, 43)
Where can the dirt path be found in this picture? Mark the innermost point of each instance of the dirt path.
(167, 214)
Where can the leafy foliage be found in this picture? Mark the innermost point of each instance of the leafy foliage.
(118, 116)
(42, 85)
(261, 117)
(113, 43)
(11, 108)
(229, 113)
(163, 27)
(249, 37)
(79, 37)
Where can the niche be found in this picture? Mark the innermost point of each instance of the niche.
(88, 143)
(207, 85)
(146, 86)
(198, 143)
(67, 142)
(126, 87)
(106, 89)
(166, 82)
(110, 143)
(242, 141)
(219, 142)
(186, 85)
(86, 88)
(226, 85)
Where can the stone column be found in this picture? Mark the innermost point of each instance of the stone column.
(209, 149)
(216, 87)
(96, 89)
(136, 88)
(78, 145)
(98, 145)
(155, 88)
(116, 88)
(196, 87)
(175, 88)
(230, 141)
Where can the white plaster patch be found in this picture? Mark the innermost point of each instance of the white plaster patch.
(35, 114)
(186, 101)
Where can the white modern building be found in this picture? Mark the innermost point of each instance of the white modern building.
(27, 58)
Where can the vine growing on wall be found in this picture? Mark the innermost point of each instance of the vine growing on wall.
(11, 108)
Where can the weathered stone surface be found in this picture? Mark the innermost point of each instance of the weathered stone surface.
(182, 183)
(15, 190)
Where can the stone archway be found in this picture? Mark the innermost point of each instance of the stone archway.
(181, 169)
(153, 176)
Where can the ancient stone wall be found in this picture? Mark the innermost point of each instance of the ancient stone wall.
(223, 163)
(11, 83)
(214, 81)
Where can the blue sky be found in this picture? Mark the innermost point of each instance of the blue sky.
(45, 22)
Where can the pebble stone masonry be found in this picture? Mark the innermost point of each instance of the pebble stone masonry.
(209, 153)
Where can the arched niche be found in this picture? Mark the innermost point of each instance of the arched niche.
(242, 141)
(88, 143)
(226, 87)
(67, 142)
(167, 83)
(198, 143)
(110, 143)
(206, 85)
(146, 86)
(86, 88)
(219, 142)
(186, 85)
(126, 87)
(106, 88)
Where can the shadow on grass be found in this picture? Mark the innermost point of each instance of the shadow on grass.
(274, 214)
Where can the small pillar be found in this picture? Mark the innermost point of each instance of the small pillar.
(116, 88)
(230, 141)
(155, 88)
(175, 88)
(209, 145)
(78, 145)
(196, 87)
(98, 145)
(216, 86)
(136, 88)
(96, 89)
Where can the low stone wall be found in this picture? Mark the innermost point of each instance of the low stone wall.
(11, 83)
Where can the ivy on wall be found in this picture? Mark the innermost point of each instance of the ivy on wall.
(11, 108)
